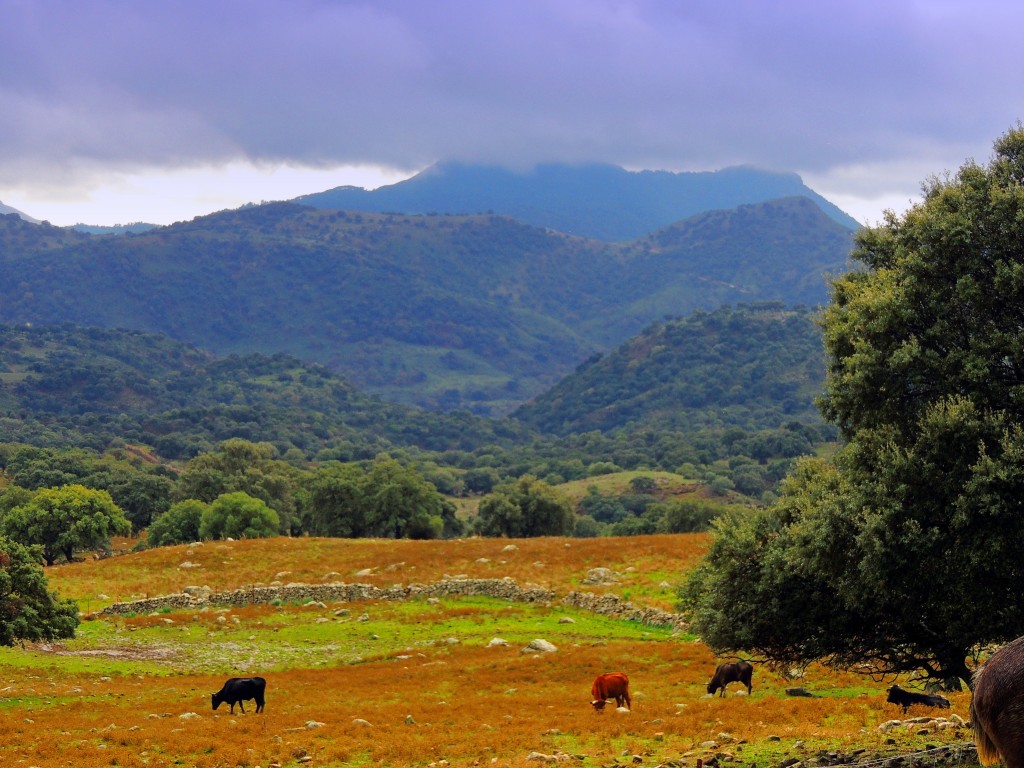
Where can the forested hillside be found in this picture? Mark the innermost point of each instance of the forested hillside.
(96, 388)
(754, 366)
(681, 386)
(470, 312)
(604, 202)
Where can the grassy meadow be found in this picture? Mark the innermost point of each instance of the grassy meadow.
(411, 683)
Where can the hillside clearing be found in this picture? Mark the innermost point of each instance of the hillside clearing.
(416, 682)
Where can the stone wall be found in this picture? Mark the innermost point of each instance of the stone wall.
(504, 589)
(615, 606)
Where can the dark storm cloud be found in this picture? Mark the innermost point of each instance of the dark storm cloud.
(93, 87)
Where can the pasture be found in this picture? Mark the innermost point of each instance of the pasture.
(417, 682)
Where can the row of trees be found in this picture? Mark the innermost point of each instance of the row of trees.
(382, 497)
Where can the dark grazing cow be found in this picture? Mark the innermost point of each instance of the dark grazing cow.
(997, 707)
(612, 685)
(239, 689)
(907, 699)
(731, 672)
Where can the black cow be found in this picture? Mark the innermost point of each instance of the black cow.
(731, 672)
(239, 689)
(907, 699)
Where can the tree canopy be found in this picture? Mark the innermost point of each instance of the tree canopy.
(903, 553)
(28, 610)
(238, 515)
(61, 520)
(385, 500)
(524, 508)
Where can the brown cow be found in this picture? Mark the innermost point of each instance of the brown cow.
(997, 707)
(612, 685)
(731, 672)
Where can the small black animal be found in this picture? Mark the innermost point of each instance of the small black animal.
(239, 689)
(907, 699)
(731, 672)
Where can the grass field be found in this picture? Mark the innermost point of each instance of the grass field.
(413, 683)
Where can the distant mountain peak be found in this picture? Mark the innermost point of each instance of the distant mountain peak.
(600, 201)
(6, 210)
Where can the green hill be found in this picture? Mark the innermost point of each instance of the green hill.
(96, 387)
(756, 367)
(724, 398)
(445, 312)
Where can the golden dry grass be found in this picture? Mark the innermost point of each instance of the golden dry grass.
(423, 701)
(551, 562)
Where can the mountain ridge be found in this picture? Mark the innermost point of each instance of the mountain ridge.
(446, 312)
(599, 201)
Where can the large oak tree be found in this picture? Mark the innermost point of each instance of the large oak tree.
(903, 554)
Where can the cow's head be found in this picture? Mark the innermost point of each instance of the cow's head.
(216, 700)
(712, 687)
(598, 704)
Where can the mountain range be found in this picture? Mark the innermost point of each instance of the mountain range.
(479, 312)
(604, 202)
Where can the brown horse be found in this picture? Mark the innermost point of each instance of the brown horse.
(997, 707)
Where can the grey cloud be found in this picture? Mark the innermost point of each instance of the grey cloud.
(106, 85)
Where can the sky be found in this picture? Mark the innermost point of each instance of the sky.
(119, 111)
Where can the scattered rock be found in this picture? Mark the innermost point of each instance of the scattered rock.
(541, 757)
(497, 642)
(198, 593)
(566, 620)
(600, 576)
(801, 691)
(539, 646)
(360, 721)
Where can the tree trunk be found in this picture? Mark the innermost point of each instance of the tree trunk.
(953, 671)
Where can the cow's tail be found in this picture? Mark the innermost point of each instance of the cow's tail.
(988, 753)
